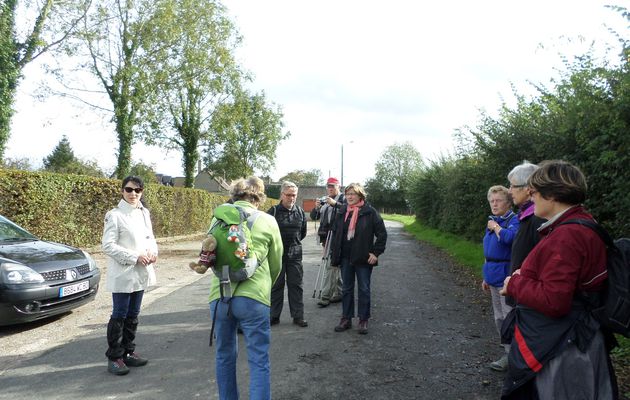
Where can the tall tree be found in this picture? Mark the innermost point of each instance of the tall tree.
(245, 135)
(43, 26)
(114, 39)
(194, 71)
(396, 166)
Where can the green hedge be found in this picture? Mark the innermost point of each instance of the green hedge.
(70, 208)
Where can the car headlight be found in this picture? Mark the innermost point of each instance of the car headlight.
(90, 260)
(11, 273)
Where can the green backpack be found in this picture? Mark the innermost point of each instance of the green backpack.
(236, 260)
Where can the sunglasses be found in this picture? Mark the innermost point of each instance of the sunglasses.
(130, 189)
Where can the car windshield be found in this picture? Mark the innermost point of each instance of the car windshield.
(11, 232)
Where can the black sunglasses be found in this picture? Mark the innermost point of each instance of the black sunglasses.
(130, 189)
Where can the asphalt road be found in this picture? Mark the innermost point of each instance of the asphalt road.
(431, 337)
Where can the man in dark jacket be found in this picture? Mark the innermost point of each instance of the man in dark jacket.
(324, 212)
(292, 223)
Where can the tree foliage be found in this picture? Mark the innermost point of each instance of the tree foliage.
(43, 26)
(144, 171)
(301, 177)
(582, 117)
(245, 135)
(19, 163)
(63, 160)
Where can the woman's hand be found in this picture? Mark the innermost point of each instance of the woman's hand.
(503, 290)
(372, 259)
(494, 227)
(147, 259)
(484, 286)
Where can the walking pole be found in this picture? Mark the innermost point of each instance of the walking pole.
(317, 283)
(323, 266)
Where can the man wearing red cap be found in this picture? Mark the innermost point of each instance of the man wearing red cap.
(324, 212)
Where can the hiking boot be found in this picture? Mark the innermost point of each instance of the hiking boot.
(117, 367)
(500, 365)
(344, 324)
(335, 299)
(134, 360)
(300, 322)
(274, 321)
(323, 303)
(363, 329)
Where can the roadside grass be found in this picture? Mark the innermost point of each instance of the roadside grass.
(470, 255)
(464, 252)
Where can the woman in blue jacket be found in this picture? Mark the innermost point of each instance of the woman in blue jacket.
(501, 229)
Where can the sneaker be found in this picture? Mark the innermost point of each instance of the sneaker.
(344, 324)
(323, 303)
(500, 365)
(134, 360)
(274, 321)
(335, 299)
(117, 367)
(300, 322)
(363, 329)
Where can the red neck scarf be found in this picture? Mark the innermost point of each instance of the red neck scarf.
(353, 220)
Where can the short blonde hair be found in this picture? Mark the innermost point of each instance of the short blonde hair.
(358, 189)
(251, 189)
(501, 190)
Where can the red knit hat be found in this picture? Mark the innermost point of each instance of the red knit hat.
(332, 181)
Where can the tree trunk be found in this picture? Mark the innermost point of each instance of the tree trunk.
(9, 70)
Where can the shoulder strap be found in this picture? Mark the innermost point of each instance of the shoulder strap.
(594, 226)
(253, 217)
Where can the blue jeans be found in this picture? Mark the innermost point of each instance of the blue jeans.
(253, 318)
(127, 305)
(363, 274)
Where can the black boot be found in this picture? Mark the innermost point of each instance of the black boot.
(132, 359)
(115, 351)
(114, 338)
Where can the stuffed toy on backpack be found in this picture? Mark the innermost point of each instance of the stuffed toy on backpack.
(207, 256)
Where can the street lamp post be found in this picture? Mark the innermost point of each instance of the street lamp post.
(352, 141)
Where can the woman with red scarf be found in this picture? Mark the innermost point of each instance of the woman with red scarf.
(359, 237)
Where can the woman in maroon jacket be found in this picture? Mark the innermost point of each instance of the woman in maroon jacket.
(560, 351)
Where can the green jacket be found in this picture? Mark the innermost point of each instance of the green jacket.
(267, 244)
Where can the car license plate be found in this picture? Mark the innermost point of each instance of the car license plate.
(72, 289)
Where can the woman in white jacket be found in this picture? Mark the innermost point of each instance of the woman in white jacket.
(129, 242)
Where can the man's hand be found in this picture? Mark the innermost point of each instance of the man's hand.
(331, 202)
(484, 286)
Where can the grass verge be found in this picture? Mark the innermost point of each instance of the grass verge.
(464, 252)
(470, 255)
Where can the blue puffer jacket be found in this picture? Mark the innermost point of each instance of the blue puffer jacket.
(497, 250)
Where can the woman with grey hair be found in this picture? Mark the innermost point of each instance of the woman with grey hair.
(500, 231)
(527, 236)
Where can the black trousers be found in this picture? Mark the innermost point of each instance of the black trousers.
(292, 274)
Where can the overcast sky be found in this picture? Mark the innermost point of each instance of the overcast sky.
(359, 74)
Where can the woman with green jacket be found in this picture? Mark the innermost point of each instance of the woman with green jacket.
(249, 306)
